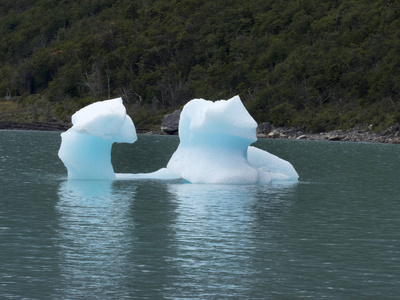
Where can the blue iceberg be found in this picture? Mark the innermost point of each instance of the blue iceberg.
(86, 147)
(215, 139)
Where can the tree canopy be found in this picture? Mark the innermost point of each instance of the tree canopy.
(315, 64)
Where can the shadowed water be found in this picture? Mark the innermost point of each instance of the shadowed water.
(332, 235)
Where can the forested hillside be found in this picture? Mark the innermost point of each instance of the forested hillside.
(318, 64)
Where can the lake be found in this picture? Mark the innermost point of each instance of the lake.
(334, 234)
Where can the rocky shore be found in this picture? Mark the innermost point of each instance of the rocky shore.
(390, 135)
(43, 126)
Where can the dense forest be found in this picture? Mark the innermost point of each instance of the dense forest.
(315, 64)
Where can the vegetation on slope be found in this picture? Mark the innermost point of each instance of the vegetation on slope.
(315, 64)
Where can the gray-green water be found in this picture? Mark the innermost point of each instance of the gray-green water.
(334, 235)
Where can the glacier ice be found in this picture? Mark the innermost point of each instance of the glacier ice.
(215, 139)
(86, 147)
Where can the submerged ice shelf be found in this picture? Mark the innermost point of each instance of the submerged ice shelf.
(161, 174)
(215, 139)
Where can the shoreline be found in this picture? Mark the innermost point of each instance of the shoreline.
(42, 126)
(388, 136)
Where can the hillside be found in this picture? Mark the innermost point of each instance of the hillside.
(319, 65)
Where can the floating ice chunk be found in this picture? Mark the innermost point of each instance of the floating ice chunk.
(214, 146)
(86, 147)
(214, 137)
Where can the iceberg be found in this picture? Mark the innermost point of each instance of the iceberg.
(215, 145)
(85, 148)
(215, 139)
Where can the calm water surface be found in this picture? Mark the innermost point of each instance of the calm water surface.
(334, 235)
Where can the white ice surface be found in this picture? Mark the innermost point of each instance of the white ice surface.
(86, 147)
(215, 139)
(214, 147)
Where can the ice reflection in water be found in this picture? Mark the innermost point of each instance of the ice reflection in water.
(94, 236)
(218, 231)
(156, 240)
(115, 239)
